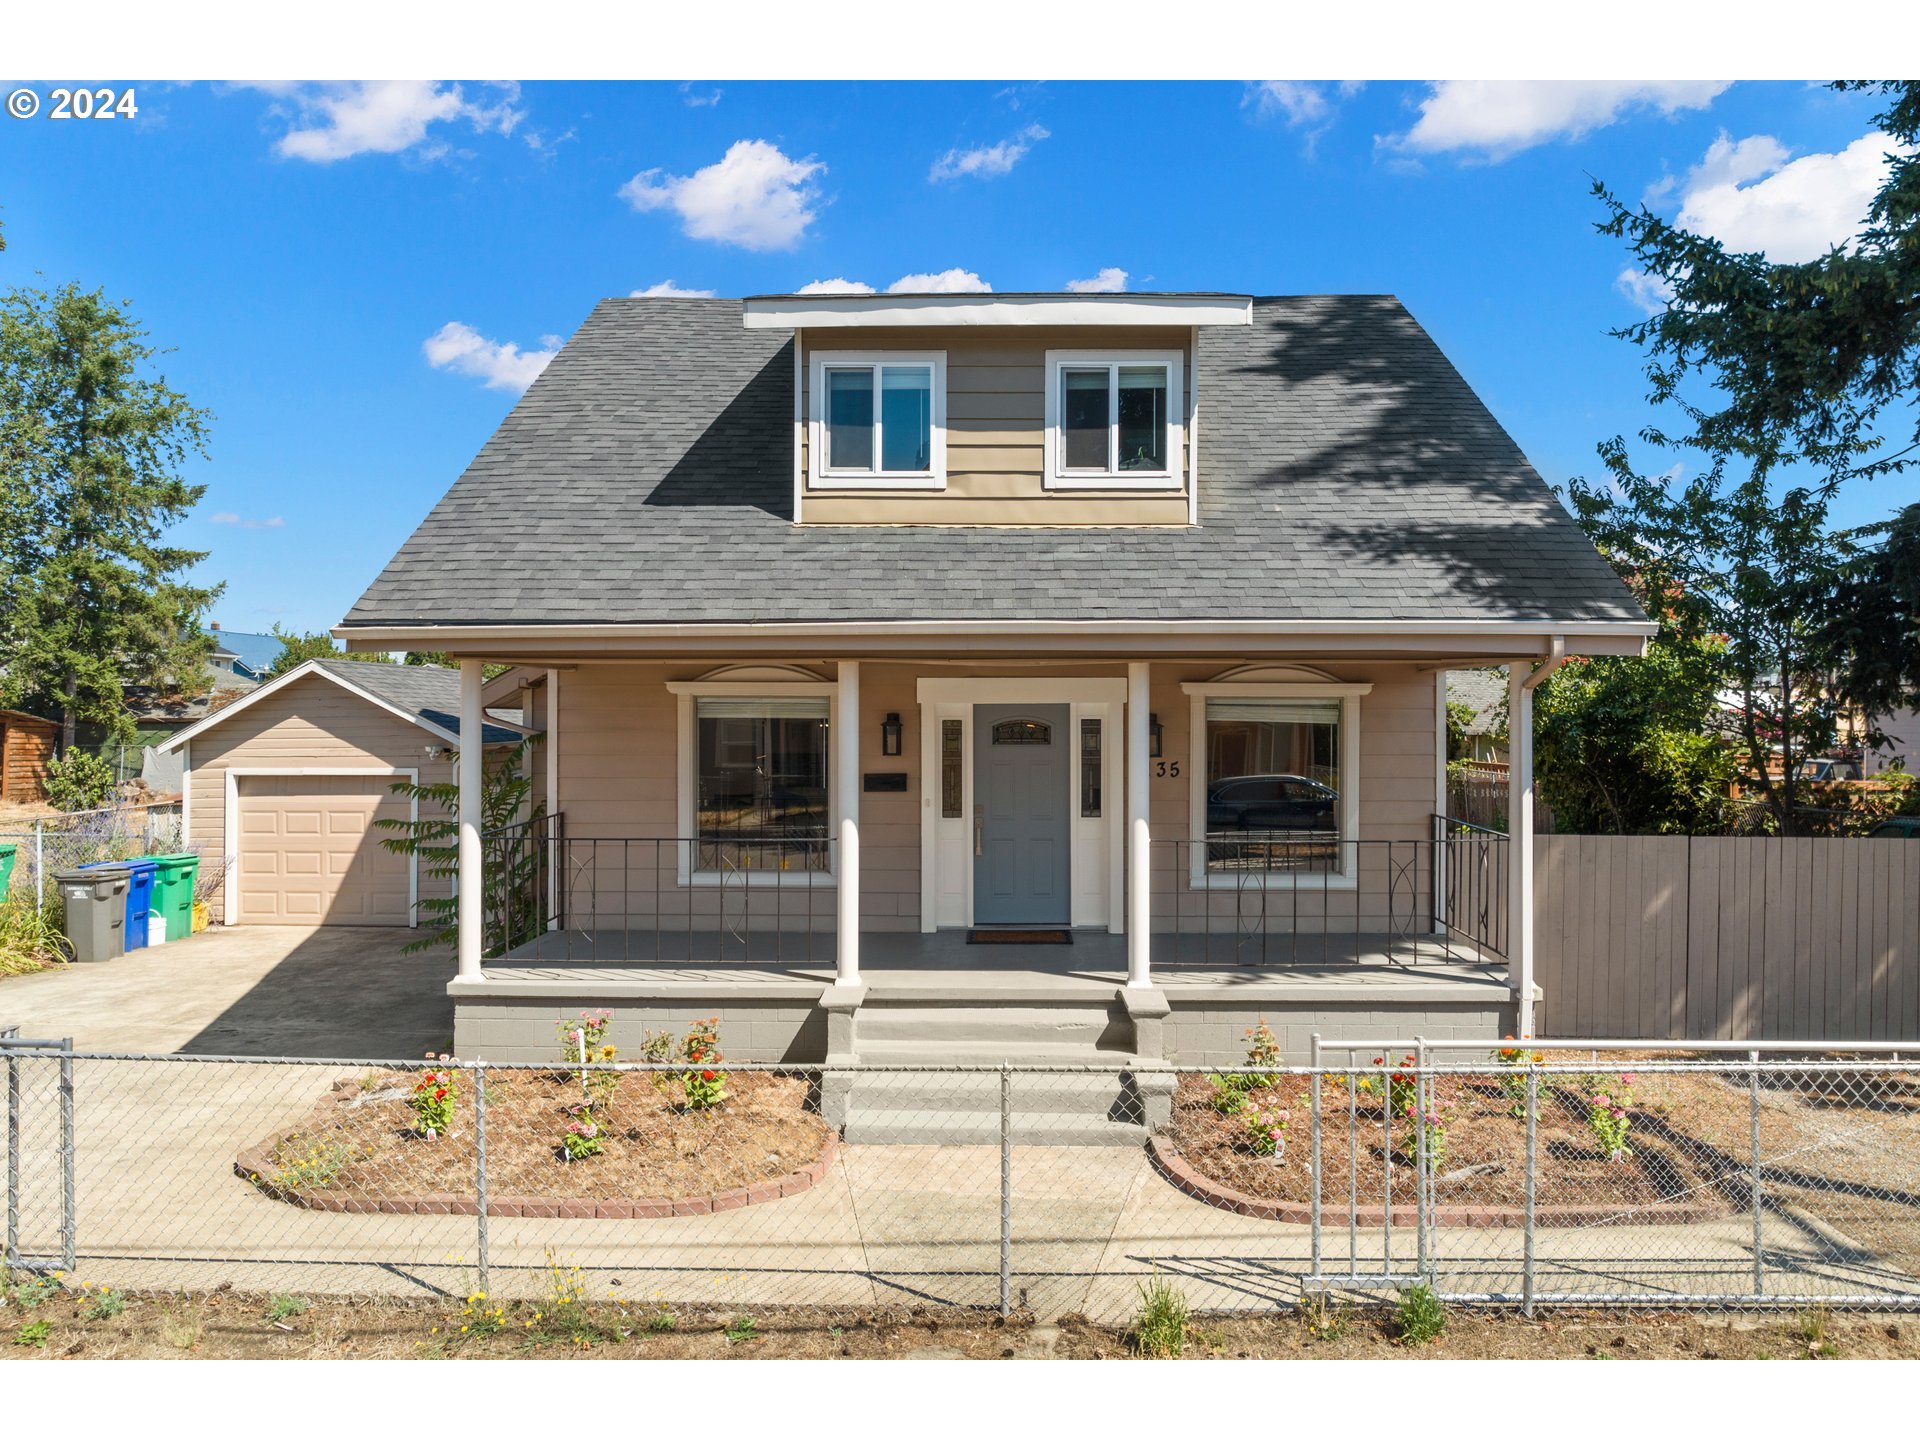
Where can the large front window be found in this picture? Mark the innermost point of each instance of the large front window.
(760, 783)
(1273, 785)
(878, 421)
(1113, 420)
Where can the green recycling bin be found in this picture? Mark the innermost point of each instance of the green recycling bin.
(173, 880)
(6, 868)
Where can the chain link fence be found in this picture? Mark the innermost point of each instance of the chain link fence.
(47, 845)
(1735, 1181)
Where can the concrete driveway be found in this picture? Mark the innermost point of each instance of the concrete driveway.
(335, 993)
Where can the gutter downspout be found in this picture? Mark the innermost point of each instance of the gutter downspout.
(1520, 792)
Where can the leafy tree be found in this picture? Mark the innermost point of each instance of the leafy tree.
(79, 780)
(296, 649)
(1626, 745)
(512, 901)
(91, 448)
(1873, 624)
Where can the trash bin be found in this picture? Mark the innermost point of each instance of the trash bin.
(95, 897)
(173, 879)
(139, 899)
(6, 868)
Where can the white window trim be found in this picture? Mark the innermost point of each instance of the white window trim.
(1055, 477)
(819, 476)
(1347, 876)
(687, 691)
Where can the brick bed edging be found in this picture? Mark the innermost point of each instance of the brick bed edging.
(254, 1164)
(1189, 1181)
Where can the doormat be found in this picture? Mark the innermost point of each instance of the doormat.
(1019, 937)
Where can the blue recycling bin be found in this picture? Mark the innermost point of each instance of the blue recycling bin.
(139, 898)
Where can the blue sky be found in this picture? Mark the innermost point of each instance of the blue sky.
(356, 280)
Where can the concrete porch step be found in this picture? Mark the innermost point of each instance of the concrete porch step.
(1011, 1031)
(933, 1108)
(960, 1050)
(1070, 1130)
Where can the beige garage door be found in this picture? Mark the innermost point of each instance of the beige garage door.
(310, 853)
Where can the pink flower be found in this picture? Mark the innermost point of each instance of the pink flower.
(1628, 1078)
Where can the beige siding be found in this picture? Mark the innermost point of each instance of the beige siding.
(311, 724)
(619, 771)
(996, 422)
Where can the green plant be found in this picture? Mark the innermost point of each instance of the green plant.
(79, 780)
(1607, 1115)
(479, 1317)
(106, 1304)
(1512, 1074)
(742, 1328)
(282, 1306)
(1161, 1324)
(704, 1087)
(33, 1333)
(1421, 1316)
(313, 1168)
(661, 1321)
(432, 1101)
(36, 1290)
(580, 1039)
(1263, 1050)
(1266, 1129)
(1435, 1122)
(584, 1136)
(30, 935)
(512, 897)
(1815, 1325)
(1229, 1092)
(1325, 1320)
(656, 1048)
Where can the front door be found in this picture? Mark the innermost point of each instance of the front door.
(1020, 834)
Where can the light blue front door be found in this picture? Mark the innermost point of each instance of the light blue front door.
(1021, 839)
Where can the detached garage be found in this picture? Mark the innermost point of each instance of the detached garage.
(289, 783)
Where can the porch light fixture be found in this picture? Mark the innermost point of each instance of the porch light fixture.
(890, 733)
(1153, 736)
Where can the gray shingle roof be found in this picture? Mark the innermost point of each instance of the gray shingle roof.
(1347, 472)
(430, 691)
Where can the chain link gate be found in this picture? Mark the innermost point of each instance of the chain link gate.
(40, 1229)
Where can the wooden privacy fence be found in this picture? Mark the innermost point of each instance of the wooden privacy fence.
(1728, 937)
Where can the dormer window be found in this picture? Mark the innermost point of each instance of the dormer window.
(878, 420)
(1113, 420)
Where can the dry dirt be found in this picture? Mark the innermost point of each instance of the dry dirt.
(654, 1146)
(236, 1326)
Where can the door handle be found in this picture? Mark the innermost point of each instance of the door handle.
(979, 819)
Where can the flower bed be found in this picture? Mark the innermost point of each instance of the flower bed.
(362, 1149)
(1639, 1154)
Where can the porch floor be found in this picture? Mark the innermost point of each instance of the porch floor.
(912, 962)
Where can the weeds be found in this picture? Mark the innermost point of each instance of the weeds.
(1160, 1326)
(33, 1333)
(285, 1307)
(1816, 1327)
(31, 936)
(742, 1328)
(1325, 1320)
(1421, 1316)
(107, 1304)
(182, 1332)
(661, 1321)
(36, 1290)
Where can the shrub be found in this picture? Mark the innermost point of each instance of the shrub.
(31, 936)
(432, 1101)
(79, 781)
(1161, 1323)
(1421, 1316)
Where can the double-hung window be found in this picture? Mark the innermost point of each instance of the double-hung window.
(878, 421)
(1114, 420)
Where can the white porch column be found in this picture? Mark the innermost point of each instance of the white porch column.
(556, 853)
(846, 782)
(1520, 843)
(1139, 835)
(469, 879)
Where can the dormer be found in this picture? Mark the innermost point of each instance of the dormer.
(995, 409)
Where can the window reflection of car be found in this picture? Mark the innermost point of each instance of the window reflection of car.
(1271, 802)
(1829, 770)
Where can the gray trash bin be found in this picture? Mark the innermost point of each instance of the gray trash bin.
(96, 903)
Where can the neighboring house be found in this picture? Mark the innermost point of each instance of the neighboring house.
(242, 654)
(1902, 749)
(1484, 693)
(26, 745)
(286, 783)
(865, 626)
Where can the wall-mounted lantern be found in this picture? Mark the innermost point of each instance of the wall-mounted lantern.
(1153, 735)
(890, 734)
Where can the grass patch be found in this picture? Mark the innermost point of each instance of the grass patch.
(285, 1307)
(31, 937)
(1420, 1316)
(1161, 1323)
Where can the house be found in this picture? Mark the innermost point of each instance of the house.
(287, 782)
(1902, 748)
(1042, 677)
(1483, 696)
(26, 745)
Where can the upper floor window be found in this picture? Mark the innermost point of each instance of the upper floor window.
(1113, 420)
(878, 420)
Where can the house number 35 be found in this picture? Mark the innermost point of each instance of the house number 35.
(1166, 769)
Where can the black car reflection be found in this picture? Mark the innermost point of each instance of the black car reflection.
(1271, 802)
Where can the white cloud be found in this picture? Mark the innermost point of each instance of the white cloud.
(839, 285)
(502, 365)
(1497, 118)
(1646, 292)
(384, 117)
(228, 517)
(944, 282)
(667, 290)
(984, 162)
(697, 100)
(754, 197)
(1750, 196)
(1110, 280)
